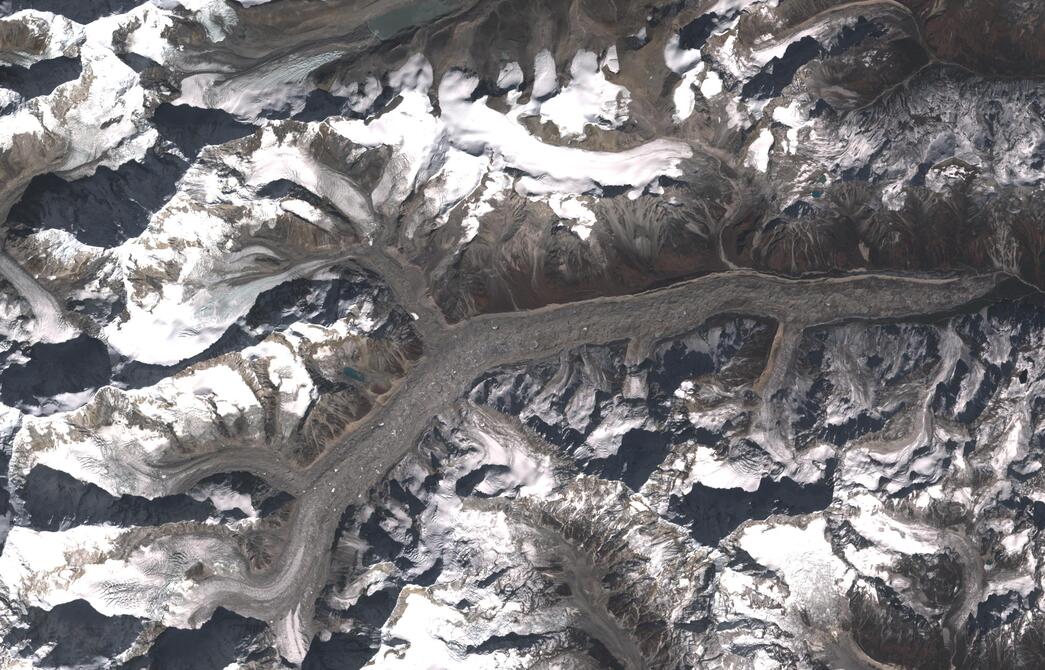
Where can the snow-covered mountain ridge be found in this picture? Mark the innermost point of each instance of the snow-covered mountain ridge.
(540, 334)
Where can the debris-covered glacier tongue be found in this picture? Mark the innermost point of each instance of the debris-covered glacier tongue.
(522, 334)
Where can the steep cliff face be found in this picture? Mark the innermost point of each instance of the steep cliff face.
(521, 334)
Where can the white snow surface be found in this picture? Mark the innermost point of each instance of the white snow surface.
(146, 427)
(427, 633)
(216, 16)
(589, 99)
(511, 76)
(758, 151)
(677, 59)
(476, 128)
(461, 156)
(815, 581)
(684, 97)
(574, 208)
(497, 183)
(281, 84)
(59, 36)
(545, 80)
(45, 569)
(223, 498)
(109, 109)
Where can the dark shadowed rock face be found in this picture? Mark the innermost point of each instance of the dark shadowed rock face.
(227, 638)
(56, 501)
(81, 637)
(713, 514)
(102, 210)
(114, 205)
(191, 128)
(640, 453)
(51, 370)
(779, 72)
(82, 11)
(263, 497)
(39, 78)
(341, 652)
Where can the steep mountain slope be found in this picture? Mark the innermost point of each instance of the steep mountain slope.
(521, 334)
